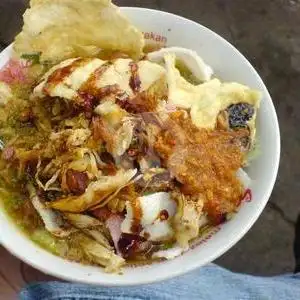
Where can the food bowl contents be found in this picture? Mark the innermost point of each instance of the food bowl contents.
(111, 156)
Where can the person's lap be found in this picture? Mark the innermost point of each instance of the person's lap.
(210, 282)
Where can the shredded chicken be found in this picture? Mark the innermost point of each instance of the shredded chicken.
(53, 221)
(95, 193)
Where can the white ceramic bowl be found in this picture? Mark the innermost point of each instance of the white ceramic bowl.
(229, 65)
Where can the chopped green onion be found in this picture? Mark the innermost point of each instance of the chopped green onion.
(33, 57)
(167, 245)
(148, 193)
(2, 145)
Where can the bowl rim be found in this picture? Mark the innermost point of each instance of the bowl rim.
(220, 250)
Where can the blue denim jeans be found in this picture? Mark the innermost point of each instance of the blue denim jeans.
(210, 282)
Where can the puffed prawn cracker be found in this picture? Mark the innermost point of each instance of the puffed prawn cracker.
(61, 29)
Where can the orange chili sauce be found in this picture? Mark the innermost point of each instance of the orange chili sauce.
(205, 162)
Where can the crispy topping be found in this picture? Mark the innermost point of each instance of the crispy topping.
(160, 182)
(222, 121)
(102, 131)
(135, 81)
(27, 117)
(102, 213)
(30, 168)
(97, 128)
(141, 103)
(8, 153)
(76, 181)
(88, 103)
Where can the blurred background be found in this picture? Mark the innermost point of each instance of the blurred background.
(267, 32)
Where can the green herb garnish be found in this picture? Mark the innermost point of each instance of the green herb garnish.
(167, 245)
(33, 57)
